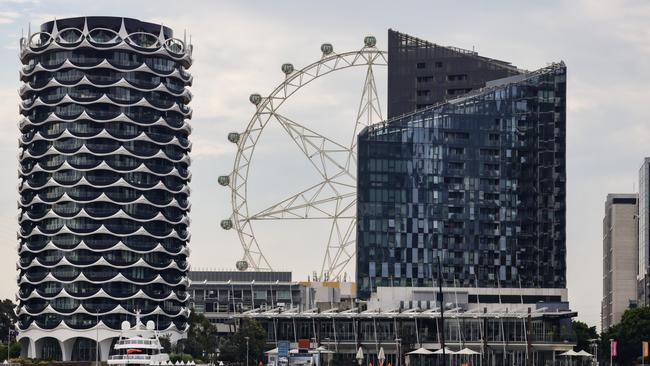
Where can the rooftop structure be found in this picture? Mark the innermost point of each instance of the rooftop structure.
(422, 73)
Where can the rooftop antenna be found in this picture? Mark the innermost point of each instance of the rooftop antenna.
(185, 37)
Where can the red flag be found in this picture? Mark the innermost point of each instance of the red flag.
(612, 347)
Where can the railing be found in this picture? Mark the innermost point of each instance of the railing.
(130, 357)
(137, 341)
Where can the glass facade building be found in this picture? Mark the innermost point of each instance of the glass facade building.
(643, 271)
(103, 183)
(478, 181)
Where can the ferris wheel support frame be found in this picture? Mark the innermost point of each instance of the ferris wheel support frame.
(335, 196)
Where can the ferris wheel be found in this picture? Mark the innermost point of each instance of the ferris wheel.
(333, 198)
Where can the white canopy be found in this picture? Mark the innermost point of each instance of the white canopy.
(321, 349)
(584, 353)
(359, 354)
(447, 351)
(274, 351)
(382, 355)
(467, 351)
(570, 353)
(420, 351)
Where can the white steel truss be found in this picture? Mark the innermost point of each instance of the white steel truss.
(334, 197)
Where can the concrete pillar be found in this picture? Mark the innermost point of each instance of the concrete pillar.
(105, 348)
(37, 349)
(30, 349)
(66, 348)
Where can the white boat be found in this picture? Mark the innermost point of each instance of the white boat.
(138, 345)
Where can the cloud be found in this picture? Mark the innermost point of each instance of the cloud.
(8, 17)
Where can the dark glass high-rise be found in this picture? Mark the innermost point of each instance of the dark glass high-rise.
(478, 181)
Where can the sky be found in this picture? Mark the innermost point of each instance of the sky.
(239, 47)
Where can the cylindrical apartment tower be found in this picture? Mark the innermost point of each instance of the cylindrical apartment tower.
(103, 184)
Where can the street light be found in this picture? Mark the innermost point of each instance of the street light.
(398, 360)
(247, 338)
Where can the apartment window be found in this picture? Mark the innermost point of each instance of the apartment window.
(458, 91)
(455, 165)
(489, 152)
(493, 137)
(421, 65)
(423, 93)
(456, 135)
(424, 79)
(457, 77)
(456, 210)
(457, 150)
(438, 64)
(456, 195)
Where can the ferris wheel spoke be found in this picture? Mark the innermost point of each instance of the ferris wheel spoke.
(369, 112)
(326, 155)
(316, 202)
(340, 247)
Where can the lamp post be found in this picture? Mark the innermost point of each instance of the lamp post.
(247, 338)
(442, 313)
(8, 339)
(97, 340)
(398, 360)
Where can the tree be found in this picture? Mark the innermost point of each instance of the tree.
(583, 334)
(201, 337)
(633, 329)
(165, 343)
(234, 348)
(7, 318)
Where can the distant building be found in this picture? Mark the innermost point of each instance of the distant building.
(478, 181)
(507, 334)
(619, 257)
(643, 275)
(220, 295)
(421, 73)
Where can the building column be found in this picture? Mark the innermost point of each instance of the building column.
(31, 348)
(66, 348)
(105, 348)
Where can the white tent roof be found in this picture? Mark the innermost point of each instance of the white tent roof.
(275, 351)
(584, 353)
(420, 351)
(447, 351)
(467, 351)
(570, 353)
